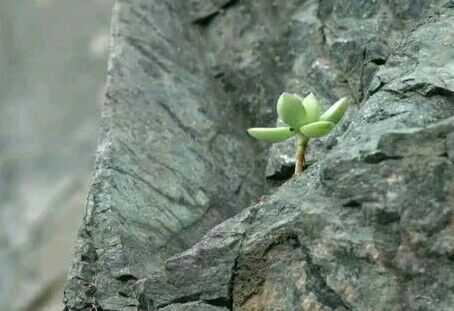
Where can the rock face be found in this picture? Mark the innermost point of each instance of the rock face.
(369, 224)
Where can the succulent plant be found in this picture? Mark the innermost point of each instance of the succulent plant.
(304, 120)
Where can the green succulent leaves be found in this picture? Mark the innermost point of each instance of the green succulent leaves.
(312, 108)
(317, 129)
(290, 110)
(336, 111)
(271, 135)
(303, 117)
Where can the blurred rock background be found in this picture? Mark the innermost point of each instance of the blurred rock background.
(53, 60)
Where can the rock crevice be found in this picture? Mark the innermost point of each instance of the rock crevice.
(367, 225)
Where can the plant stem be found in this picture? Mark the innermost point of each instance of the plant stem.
(300, 149)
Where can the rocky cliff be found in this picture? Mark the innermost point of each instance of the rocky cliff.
(175, 218)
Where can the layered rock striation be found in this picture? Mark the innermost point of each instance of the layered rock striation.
(369, 224)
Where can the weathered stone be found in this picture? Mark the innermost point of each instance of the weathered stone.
(351, 240)
(200, 11)
(192, 306)
(208, 265)
(365, 227)
(450, 146)
(344, 44)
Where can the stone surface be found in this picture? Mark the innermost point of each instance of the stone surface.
(319, 244)
(192, 306)
(348, 42)
(368, 224)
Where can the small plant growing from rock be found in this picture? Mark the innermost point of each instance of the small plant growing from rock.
(304, 120)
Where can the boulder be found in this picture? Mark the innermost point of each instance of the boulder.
(367, 226)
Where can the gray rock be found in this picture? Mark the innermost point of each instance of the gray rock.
(450, 146)
(192, 306)
(308, 247)
(365, 227)
(208, 265)
(343, 44)
(201, 11)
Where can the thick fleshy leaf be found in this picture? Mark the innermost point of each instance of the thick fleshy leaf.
(336, 111)
(271, 135)
(312, 108)
(317, 129)
(290, 110)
